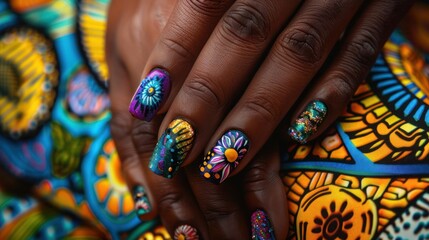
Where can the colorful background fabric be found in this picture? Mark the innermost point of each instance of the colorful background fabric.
(367, 177)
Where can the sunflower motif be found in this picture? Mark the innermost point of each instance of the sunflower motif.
(332, 222)
(28, 80)
(334, 212)
(225, 156)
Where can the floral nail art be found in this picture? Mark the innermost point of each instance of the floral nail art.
(308, 122)
(151, 93)
(225, 156)
(186, 232)
(141, 202)
(261, 226)
(172, 148)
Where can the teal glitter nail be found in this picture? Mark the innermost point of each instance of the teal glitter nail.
(308, 122)
(172, 148)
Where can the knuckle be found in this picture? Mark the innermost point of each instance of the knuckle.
(363, 49)
(344, 85)
(204, 90)
(119, 126)
(207, 7)
(169, 200)
(258, 177)
(144, 136)
(302, 43)
(246, 23)
(178, 48)
(213, 211)
(262, 105)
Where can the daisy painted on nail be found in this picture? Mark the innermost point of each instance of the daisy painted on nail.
(225, 156)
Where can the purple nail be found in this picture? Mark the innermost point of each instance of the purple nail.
(261, 226)
(150, 95)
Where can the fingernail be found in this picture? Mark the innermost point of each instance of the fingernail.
(261, 226)
(224, 156)
(185, 232)
(141, 202)
(308, 122)
(151, 93)
(172, 148)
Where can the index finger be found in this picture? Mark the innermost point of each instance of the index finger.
(183, 37)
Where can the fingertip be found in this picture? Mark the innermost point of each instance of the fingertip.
(150, 95)
(225, 156)
(261, 226)
(172, 148)
(186, 232)
(307, 124)
(142, 206)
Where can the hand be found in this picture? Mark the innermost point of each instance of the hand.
(217, 212)
(232, 71)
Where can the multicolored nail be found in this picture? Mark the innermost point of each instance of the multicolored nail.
(261, 226)
(141, 201)
(149, 96)
(225, 156)
(308, 122)
(172, 148)
(185, 232)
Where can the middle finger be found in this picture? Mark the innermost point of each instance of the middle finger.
(236, 45)
(295, 58)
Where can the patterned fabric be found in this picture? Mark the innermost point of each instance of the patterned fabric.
(367, 177)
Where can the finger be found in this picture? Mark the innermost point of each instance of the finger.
(173, 199)
(235, 47)
(350, 66)
(186, 32)
(134, 142)
(222, 206)
(121, 130)
(121, 123)
(265, 195)
(294, 59)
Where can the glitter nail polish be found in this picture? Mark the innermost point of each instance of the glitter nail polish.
(172, 148)
(308, 122)
(261, 226)
(224, 156)
(150, 95)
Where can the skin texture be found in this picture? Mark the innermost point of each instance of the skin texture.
(217, 212)
(245, 64)
(235, 65)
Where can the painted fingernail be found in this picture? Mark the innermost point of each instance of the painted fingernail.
(151, 93)
(261, 226)
(185, 232)
(308, 122)
(224, 156)
(141, 202)
(172, 148)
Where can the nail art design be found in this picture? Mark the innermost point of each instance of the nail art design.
(261, 226)
(308, 122)
(149, 96)
(225, 156)
(141, 202)
(172, 148)
(185, 232)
